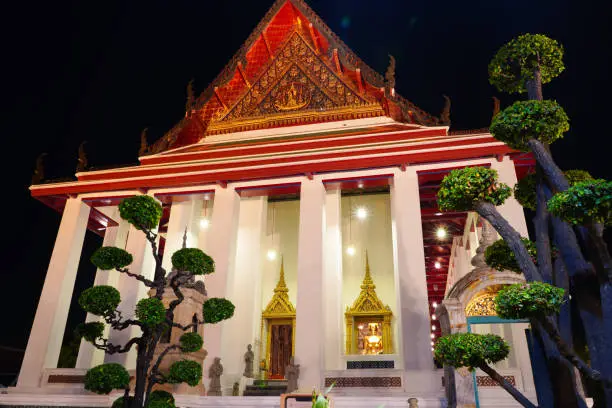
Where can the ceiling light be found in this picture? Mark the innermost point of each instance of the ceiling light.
(204, 223)
(350, 250)
(432, 349)
(433, 327)
(360, 185)
(433, 317)
(438, 265)
(433, 336)
(432, 343)
(361, 213)
(441, 233)
(271, 255)
(434, 304)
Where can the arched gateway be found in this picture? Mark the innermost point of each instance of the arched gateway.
(298, 148)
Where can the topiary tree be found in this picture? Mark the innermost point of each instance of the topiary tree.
(151, 316)
(477, 351)
(499, 255)
(583, 266)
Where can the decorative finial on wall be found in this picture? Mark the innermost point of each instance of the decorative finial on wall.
(445, 115)
(390, 76)
(82, 160)
(144, 146)
(39, 171)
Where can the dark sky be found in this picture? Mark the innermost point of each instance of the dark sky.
(102, 71)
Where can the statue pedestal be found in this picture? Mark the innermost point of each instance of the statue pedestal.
(244, 381)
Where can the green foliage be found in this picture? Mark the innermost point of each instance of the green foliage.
(515, 63)
(104, 378)
(583, 203)
(470, 350)
(499, 255)
(100, 300)
(160, 399)
(191, 342)
(462, 188)
(545, 121)
(107, 258)
(193, 260)
(118, 403)
(89, 331)
(217, 309)
(150, 311)
(577, 176)
(142, 211)
(525, 191)
(525, 300)
(186, 371)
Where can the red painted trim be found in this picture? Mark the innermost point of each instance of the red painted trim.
(214, 152)
(147, 171)
(280, 171)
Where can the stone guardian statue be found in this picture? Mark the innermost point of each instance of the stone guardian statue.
(249, 357)
(292, 372)
(214, 373)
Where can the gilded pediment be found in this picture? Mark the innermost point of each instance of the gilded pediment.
(280, 305)
(368, 302)
(297, 84)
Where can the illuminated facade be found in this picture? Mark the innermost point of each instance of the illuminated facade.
(296, 162)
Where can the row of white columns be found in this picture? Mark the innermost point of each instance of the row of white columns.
(234, 242)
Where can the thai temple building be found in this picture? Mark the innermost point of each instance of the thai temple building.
(312, 183)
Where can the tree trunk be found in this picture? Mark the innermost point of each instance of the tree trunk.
(520, 398)
(512, 238)
(141, 376)
(553, 173)
(534, 86)
(541, 222)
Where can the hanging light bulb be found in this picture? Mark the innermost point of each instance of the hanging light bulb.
(204, 223)
(433, 336)
(271, 255)
(433, 327)
(350, 250)
(441, 233)
(432, 343)
(433, 317)
(438, 265)
(434, 304)
(361, 213)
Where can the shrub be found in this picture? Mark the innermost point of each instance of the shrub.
(107, 258)
(470, 350)
(525, 300)
(89, 331)
(545, 121)
(577, 176)
(185, 371)
(583, 203)
(515, 63)
(141, 211)
(499, 255)
(161, 399)
(216, 310)
(118, 403)
(525, 191)
(193, 260)
(150, 311)
(100, 300)
(462, 188)
(104, 378)
(191, 342)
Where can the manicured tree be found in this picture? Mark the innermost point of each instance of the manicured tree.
(478, 351)
(151, 316)
(523, 65)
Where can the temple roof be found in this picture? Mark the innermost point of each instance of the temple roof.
(292, 70)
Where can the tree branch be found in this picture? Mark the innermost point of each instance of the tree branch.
(136, 276)
(512, 238)
(516, 394)
(553, 173)
(569, 354)
(541, 224)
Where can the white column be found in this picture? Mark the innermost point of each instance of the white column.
(207, 203)
(332, 287)
(222, 248)
(116, 236)
(47, 331)
(309, 301)
(183, 216)
(411, 284)
(131, 292)
(244, 286)
(511, 210)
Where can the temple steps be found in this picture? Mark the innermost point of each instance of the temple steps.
(266, 388)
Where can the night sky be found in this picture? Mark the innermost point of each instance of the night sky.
(102, 71)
